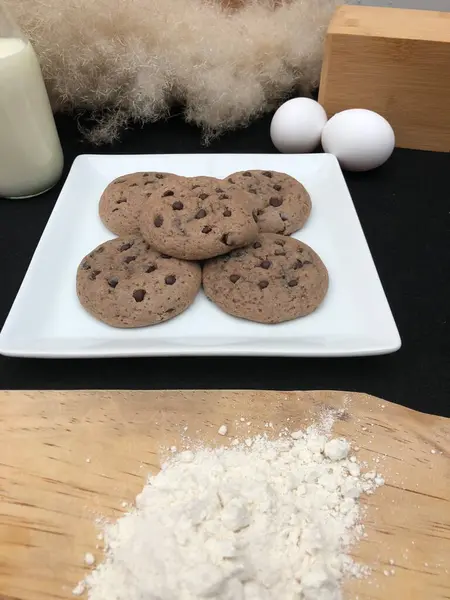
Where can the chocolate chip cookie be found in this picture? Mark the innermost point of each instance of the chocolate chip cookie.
(275, 279)
(197, 219)
(281, 204)
(122, 200)
(125, 283)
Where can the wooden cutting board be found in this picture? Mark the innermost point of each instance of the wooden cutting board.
(67, 458)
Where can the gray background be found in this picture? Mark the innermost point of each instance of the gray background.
(430, 4)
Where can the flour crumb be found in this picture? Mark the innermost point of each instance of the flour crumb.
(223, 430)
(242, 420)
(79, 589)
(89, 559)
(88, 460)
(433, 451)
(337, 449)
(256, 520)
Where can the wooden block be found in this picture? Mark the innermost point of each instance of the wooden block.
(395, 62)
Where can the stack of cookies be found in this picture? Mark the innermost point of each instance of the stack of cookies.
(237, 227)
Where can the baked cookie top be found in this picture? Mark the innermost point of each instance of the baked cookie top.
(122, 200)
(125, 283)
(275, 279)
(280, 203)
(198, 218)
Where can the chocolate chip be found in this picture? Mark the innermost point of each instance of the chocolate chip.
(284, 216)
(280, 252)
(267, 174)
(227, 212)
(113, 282)
(148, 194)
(159, 175)
(168, 193)
(147, 246)
(275, 201)
(150, 269)
(257, 245)
(219, 190)
(203, 196)
(265, 264)
(263, 284)
(170, 279)
(206, 229)
(224, 197)
(298, 264)
(201, 214)
(124, 247)
(121, 200)
(231, 180)
(280, 242)
(158, 221)
(293, 282)
(234, 278)
(277, 187)
(129, 259)
(114, 210)
(85, 266)
(252, 190)
(133, 185)
(177, 205)
(93, 275)
(139, 295)
(246, 174)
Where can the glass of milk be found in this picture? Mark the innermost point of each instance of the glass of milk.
(31, 158)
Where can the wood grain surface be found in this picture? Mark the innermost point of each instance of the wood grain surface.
(68, 458)
(391, 61)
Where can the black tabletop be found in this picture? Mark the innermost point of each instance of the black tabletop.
(405, 212)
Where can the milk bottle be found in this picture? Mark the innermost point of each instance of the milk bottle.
(31, 158)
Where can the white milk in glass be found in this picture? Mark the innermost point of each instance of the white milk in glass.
(31, 158)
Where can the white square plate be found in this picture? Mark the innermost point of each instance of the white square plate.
(47, 320)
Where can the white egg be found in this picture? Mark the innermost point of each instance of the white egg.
(360, 139)
(297, 125)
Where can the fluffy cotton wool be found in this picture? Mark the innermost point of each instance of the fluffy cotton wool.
(132, 59)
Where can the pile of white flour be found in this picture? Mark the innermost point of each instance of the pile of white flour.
(255, 521)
